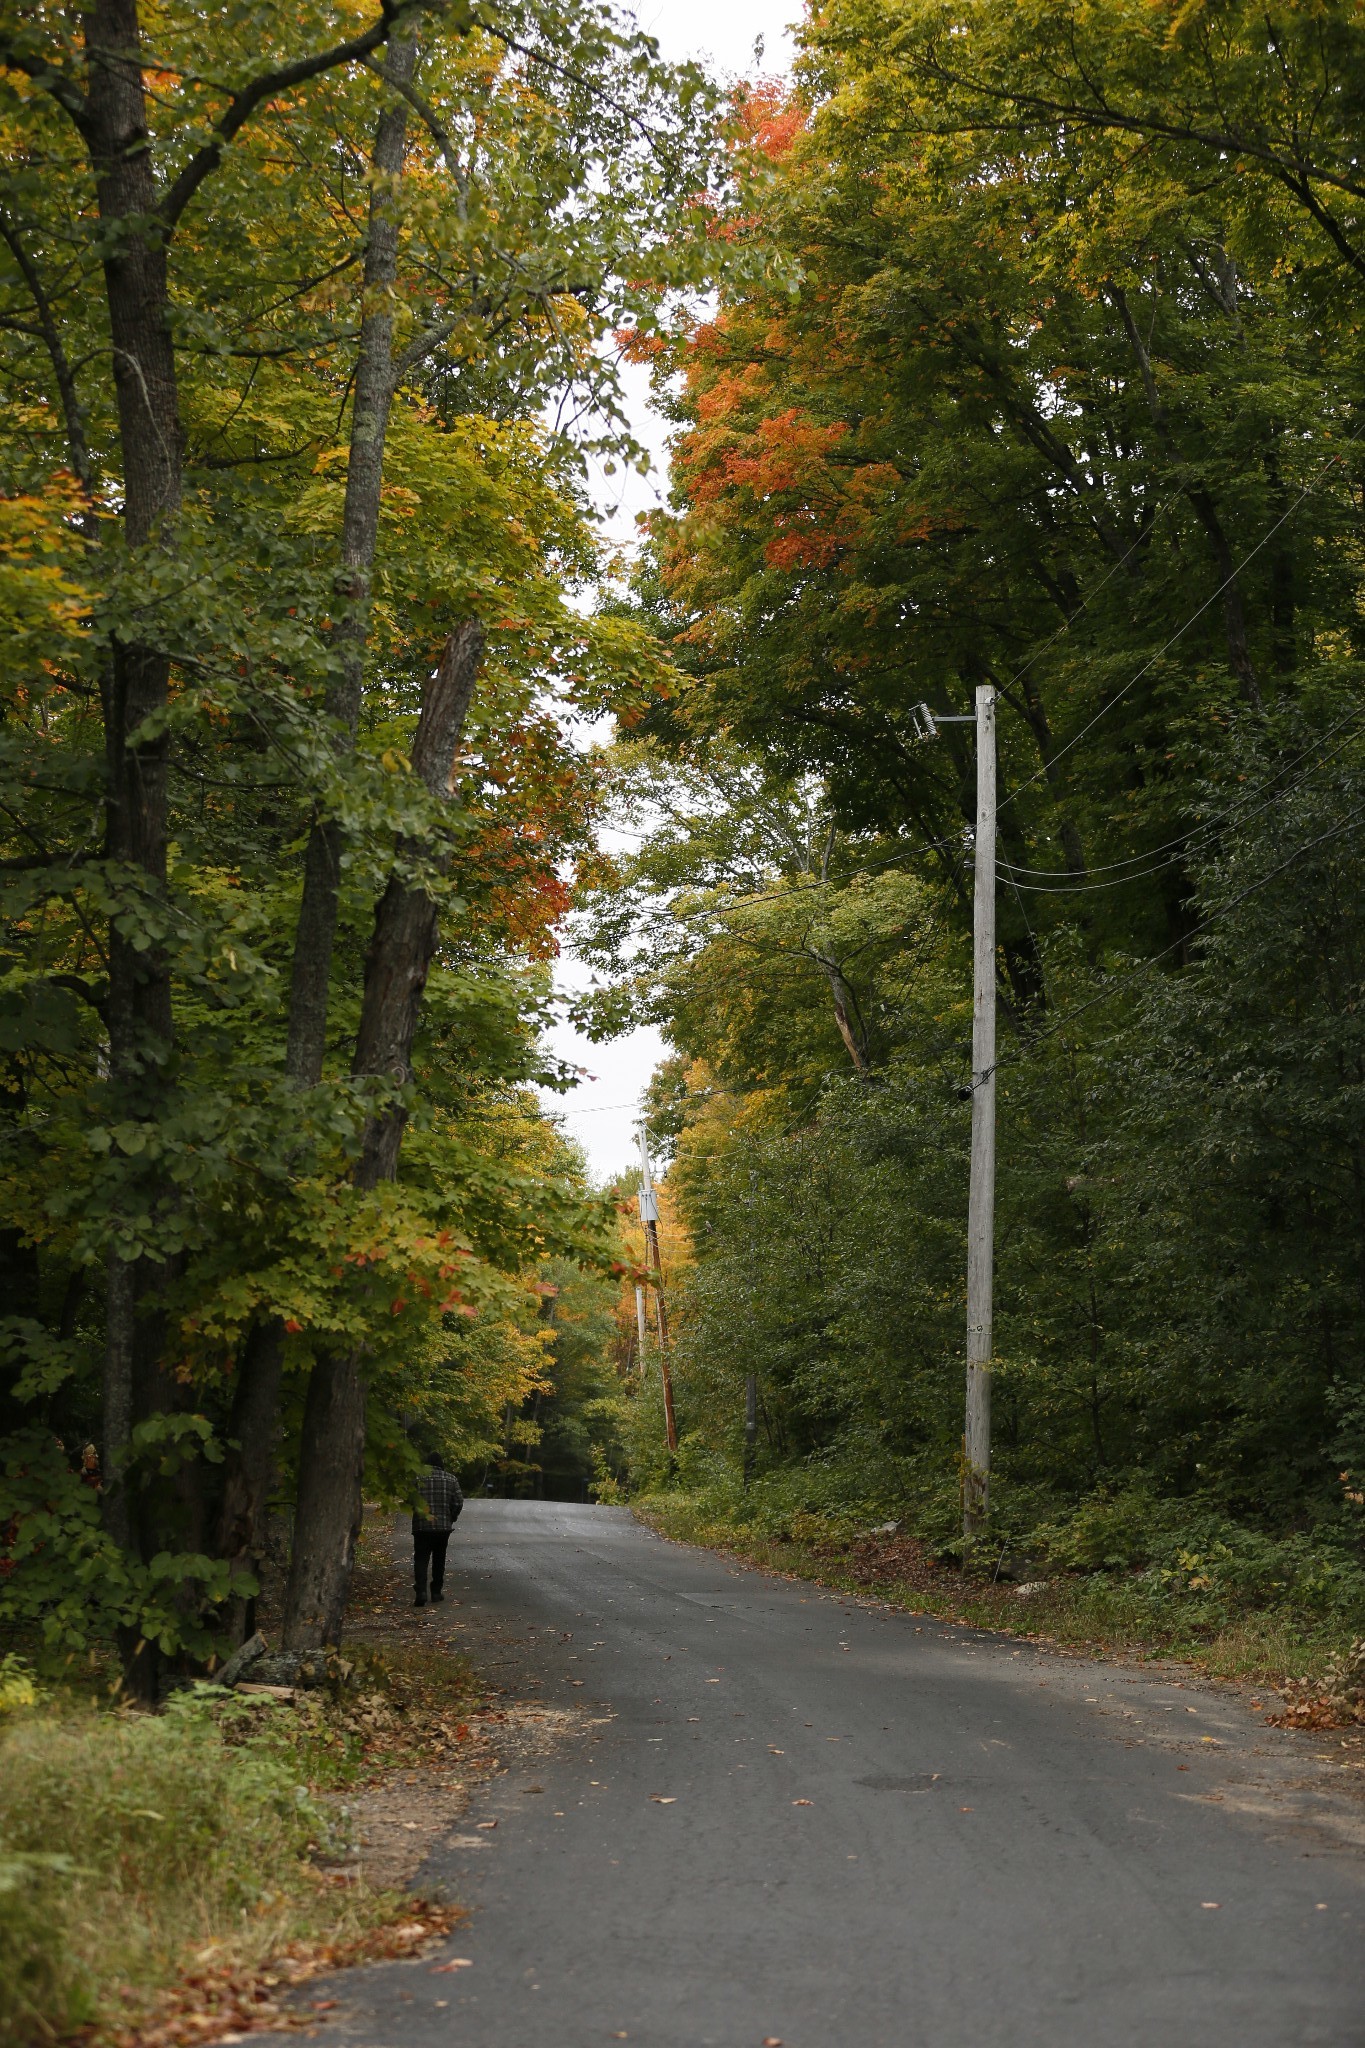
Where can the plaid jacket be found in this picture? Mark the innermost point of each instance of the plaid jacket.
(441, 1492)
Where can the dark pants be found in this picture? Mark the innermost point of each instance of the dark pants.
(429, 1548)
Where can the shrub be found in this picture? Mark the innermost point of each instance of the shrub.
(126, 1840)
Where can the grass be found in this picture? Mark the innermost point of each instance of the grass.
(134, 1843)
(162, 1874)
(1109, 1612)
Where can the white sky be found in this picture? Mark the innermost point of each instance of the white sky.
(601, 1111)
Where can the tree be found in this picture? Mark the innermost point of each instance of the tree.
(275, 329)
(1037, 367)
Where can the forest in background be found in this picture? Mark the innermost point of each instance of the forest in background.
(1041, 370)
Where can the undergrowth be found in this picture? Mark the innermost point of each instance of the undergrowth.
(136, 1847)
(1123, 1572)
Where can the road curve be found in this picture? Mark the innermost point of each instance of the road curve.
(792, 1817)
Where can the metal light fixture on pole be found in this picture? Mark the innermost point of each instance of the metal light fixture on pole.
(649, 1216)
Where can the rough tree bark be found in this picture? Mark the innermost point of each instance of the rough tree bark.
(252, 1427)
(141, 1025)
(249, 1467)
(332, 1445)
(371, 404)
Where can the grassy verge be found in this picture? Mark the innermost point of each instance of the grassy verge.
(167, 1877)
(1129, 1613)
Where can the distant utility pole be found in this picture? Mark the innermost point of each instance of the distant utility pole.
(976, 1441)
(649, 1216)
(640, 1323)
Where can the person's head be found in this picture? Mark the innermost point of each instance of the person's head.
(436, 1461)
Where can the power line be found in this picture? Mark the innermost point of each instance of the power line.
(591, 1108)
(1184, 628)
(1116, 988)
(1135, 859)
(1057, 884)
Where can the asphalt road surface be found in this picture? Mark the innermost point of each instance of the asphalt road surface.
(779, 1815)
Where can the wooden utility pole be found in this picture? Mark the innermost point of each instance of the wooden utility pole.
(976, 1481)
(641, 1325)
(649, 1216)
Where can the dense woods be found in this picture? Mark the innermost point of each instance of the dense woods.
(1037, 365)
(1006, 346)
(1011, 348)
(304, 333)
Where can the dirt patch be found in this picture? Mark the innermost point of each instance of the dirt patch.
(399, 1817)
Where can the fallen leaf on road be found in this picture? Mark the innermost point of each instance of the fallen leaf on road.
(1210, 1905)
(775, 1752)
(803, 1802)
(966, 1809)
(772, 2041)
(457, 1963)
(659, 1801)
(711, 1681)
(485, 1823)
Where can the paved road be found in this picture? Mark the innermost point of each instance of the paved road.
(879, 1832)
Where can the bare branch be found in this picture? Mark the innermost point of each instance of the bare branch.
(50, 334)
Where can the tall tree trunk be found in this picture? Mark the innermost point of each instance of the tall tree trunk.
(141, 1025)
(249, 1468)
(316, 931)
(332, 1447)
(252, 1426)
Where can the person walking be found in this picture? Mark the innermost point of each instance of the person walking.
(440, 1491)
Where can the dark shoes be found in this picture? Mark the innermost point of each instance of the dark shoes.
(421, 1600)
(438, 1596)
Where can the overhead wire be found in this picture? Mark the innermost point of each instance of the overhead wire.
(1116, 988)
(1135, 859)
(1058, 884)
(1331, 463)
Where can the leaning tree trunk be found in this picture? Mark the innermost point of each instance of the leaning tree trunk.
(332, 1445)
(370, 407)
